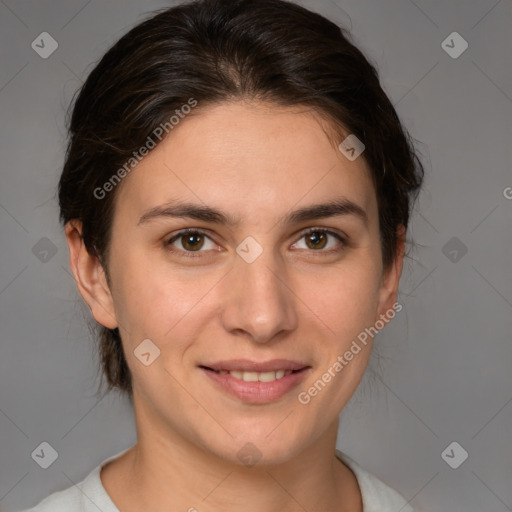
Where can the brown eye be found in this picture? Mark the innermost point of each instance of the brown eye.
(316, 240)
(190, 241)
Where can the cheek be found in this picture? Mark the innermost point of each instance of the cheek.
(345, 300)
(160, 302)
(345, 308)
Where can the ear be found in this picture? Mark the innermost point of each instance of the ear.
(90, 277)
(391, 276)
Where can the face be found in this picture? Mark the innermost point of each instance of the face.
(262, 285)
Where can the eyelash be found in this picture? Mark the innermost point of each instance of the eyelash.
(196, 254)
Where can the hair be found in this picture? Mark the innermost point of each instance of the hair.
(216, 51)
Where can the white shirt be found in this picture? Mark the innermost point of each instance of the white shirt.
(89, 495)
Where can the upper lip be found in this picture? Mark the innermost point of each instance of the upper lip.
(245, 365)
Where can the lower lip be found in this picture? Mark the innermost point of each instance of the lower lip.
(257, 392)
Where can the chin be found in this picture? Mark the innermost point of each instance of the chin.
(258, 447)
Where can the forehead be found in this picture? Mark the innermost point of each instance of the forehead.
(248, 158)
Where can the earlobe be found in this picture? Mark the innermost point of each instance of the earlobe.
(90, 277)
(391, 278)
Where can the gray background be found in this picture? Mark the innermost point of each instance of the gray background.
(442, 371)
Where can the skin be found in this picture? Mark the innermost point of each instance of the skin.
(257, 162)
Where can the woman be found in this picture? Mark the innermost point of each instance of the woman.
(235, 197)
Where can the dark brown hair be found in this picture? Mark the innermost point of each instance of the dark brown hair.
(214, 51)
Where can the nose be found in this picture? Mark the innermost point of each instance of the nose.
(258, 301)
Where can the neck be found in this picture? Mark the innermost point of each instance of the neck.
(165, 471)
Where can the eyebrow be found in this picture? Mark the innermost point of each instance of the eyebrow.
(337, 207)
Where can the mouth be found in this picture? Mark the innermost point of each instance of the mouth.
(254, 382)
(254, 376)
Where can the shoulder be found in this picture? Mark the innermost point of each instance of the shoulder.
(89, 495)
(376, 495)
(61, 501)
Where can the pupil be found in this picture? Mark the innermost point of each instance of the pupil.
(317, 238)
(189, 241)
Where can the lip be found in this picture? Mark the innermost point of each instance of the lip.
(256, 392)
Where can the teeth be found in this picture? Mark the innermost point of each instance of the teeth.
(257, 376)
(266, 376)
(250, 376)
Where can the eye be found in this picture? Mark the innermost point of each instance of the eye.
(317, 239)
(191, 241)
(196, 241)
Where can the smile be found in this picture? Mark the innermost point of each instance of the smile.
(256, 383)
(256, 376)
